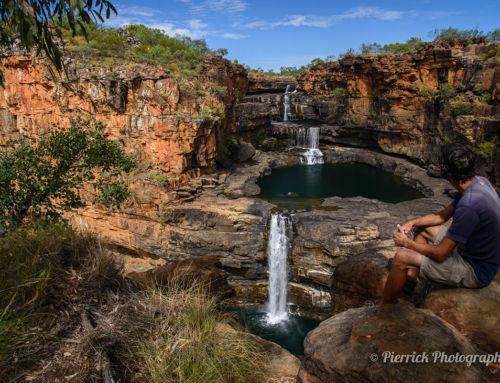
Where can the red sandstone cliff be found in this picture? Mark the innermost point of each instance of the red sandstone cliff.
(173, 126)
(394, 102)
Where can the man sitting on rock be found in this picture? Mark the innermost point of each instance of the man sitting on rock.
(467, 254)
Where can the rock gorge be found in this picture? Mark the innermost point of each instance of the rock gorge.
(198, 169)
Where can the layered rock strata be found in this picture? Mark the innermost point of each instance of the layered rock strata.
(173, 126)
(403, 104)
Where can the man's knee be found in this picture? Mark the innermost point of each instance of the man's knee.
(402, 258)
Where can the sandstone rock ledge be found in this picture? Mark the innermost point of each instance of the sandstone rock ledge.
(349, 347)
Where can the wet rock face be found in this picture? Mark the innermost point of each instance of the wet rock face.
(351, 346)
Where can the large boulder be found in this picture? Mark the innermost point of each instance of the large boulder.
(358, 281)
(474, 312)
(355, 346)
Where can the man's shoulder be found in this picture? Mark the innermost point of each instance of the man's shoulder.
(481, 195)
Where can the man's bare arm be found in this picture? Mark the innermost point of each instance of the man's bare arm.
(433, 219)
(436, 252)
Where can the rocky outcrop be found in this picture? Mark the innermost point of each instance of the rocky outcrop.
(359, 281)
(262, 83)
(357, 346)
(473, 312)
(407, 104)
(173, 126)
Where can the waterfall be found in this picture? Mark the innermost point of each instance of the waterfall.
(277, 251)
(286, 103)
(309, 140)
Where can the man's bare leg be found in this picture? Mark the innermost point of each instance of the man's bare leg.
(405, 262)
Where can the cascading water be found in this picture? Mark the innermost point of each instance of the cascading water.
(286, 103)
(277, 251)
(308, 138)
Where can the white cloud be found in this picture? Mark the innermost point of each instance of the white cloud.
(326, 21)
(233, 36)
(194, 28)
(218, 6)
(196, 24)
(138, 11)
(370, 12)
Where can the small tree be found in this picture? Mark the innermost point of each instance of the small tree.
(40, 178)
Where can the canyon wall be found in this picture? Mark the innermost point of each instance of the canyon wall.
(183, 207)
(172, 126)
(402, 104)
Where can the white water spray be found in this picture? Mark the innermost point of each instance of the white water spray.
(308, 138)
(277, 251)
(286, 103)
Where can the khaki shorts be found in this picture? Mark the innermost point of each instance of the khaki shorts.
(453, 271)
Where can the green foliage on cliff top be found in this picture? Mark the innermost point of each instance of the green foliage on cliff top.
(40, 178)
(181, 55)
(452, 33)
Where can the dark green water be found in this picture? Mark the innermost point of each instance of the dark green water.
(288, 334)
(306, 184)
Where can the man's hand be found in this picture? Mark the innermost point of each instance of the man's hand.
(406, 227)
(399, 238)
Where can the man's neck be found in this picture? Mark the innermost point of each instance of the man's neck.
(461, 186)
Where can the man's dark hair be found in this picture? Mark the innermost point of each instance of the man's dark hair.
(458, 161)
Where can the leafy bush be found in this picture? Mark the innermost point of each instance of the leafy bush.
(219, 90)
(485, 149)
(181, 55)
(340, 92)
(445, 92)
(262, 136)
(451, 33)
(460, 108)
(426, 92)
(39, 178)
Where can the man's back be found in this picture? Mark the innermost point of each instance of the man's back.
(476, 228)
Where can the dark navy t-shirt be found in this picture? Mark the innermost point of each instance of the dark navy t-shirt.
(476, 228)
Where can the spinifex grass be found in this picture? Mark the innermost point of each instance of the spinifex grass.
(191, 343)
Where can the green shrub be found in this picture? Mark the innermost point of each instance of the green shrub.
(485, 149)
(206, 113)
(262, 136)
(460, 108)
(491, 53)
(445, 92)
(38, 172)
(219, 90)
(340, 92)
(426, 92)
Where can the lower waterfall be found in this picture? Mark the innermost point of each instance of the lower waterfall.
(277, 252)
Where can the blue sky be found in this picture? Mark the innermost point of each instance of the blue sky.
(274, 33)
